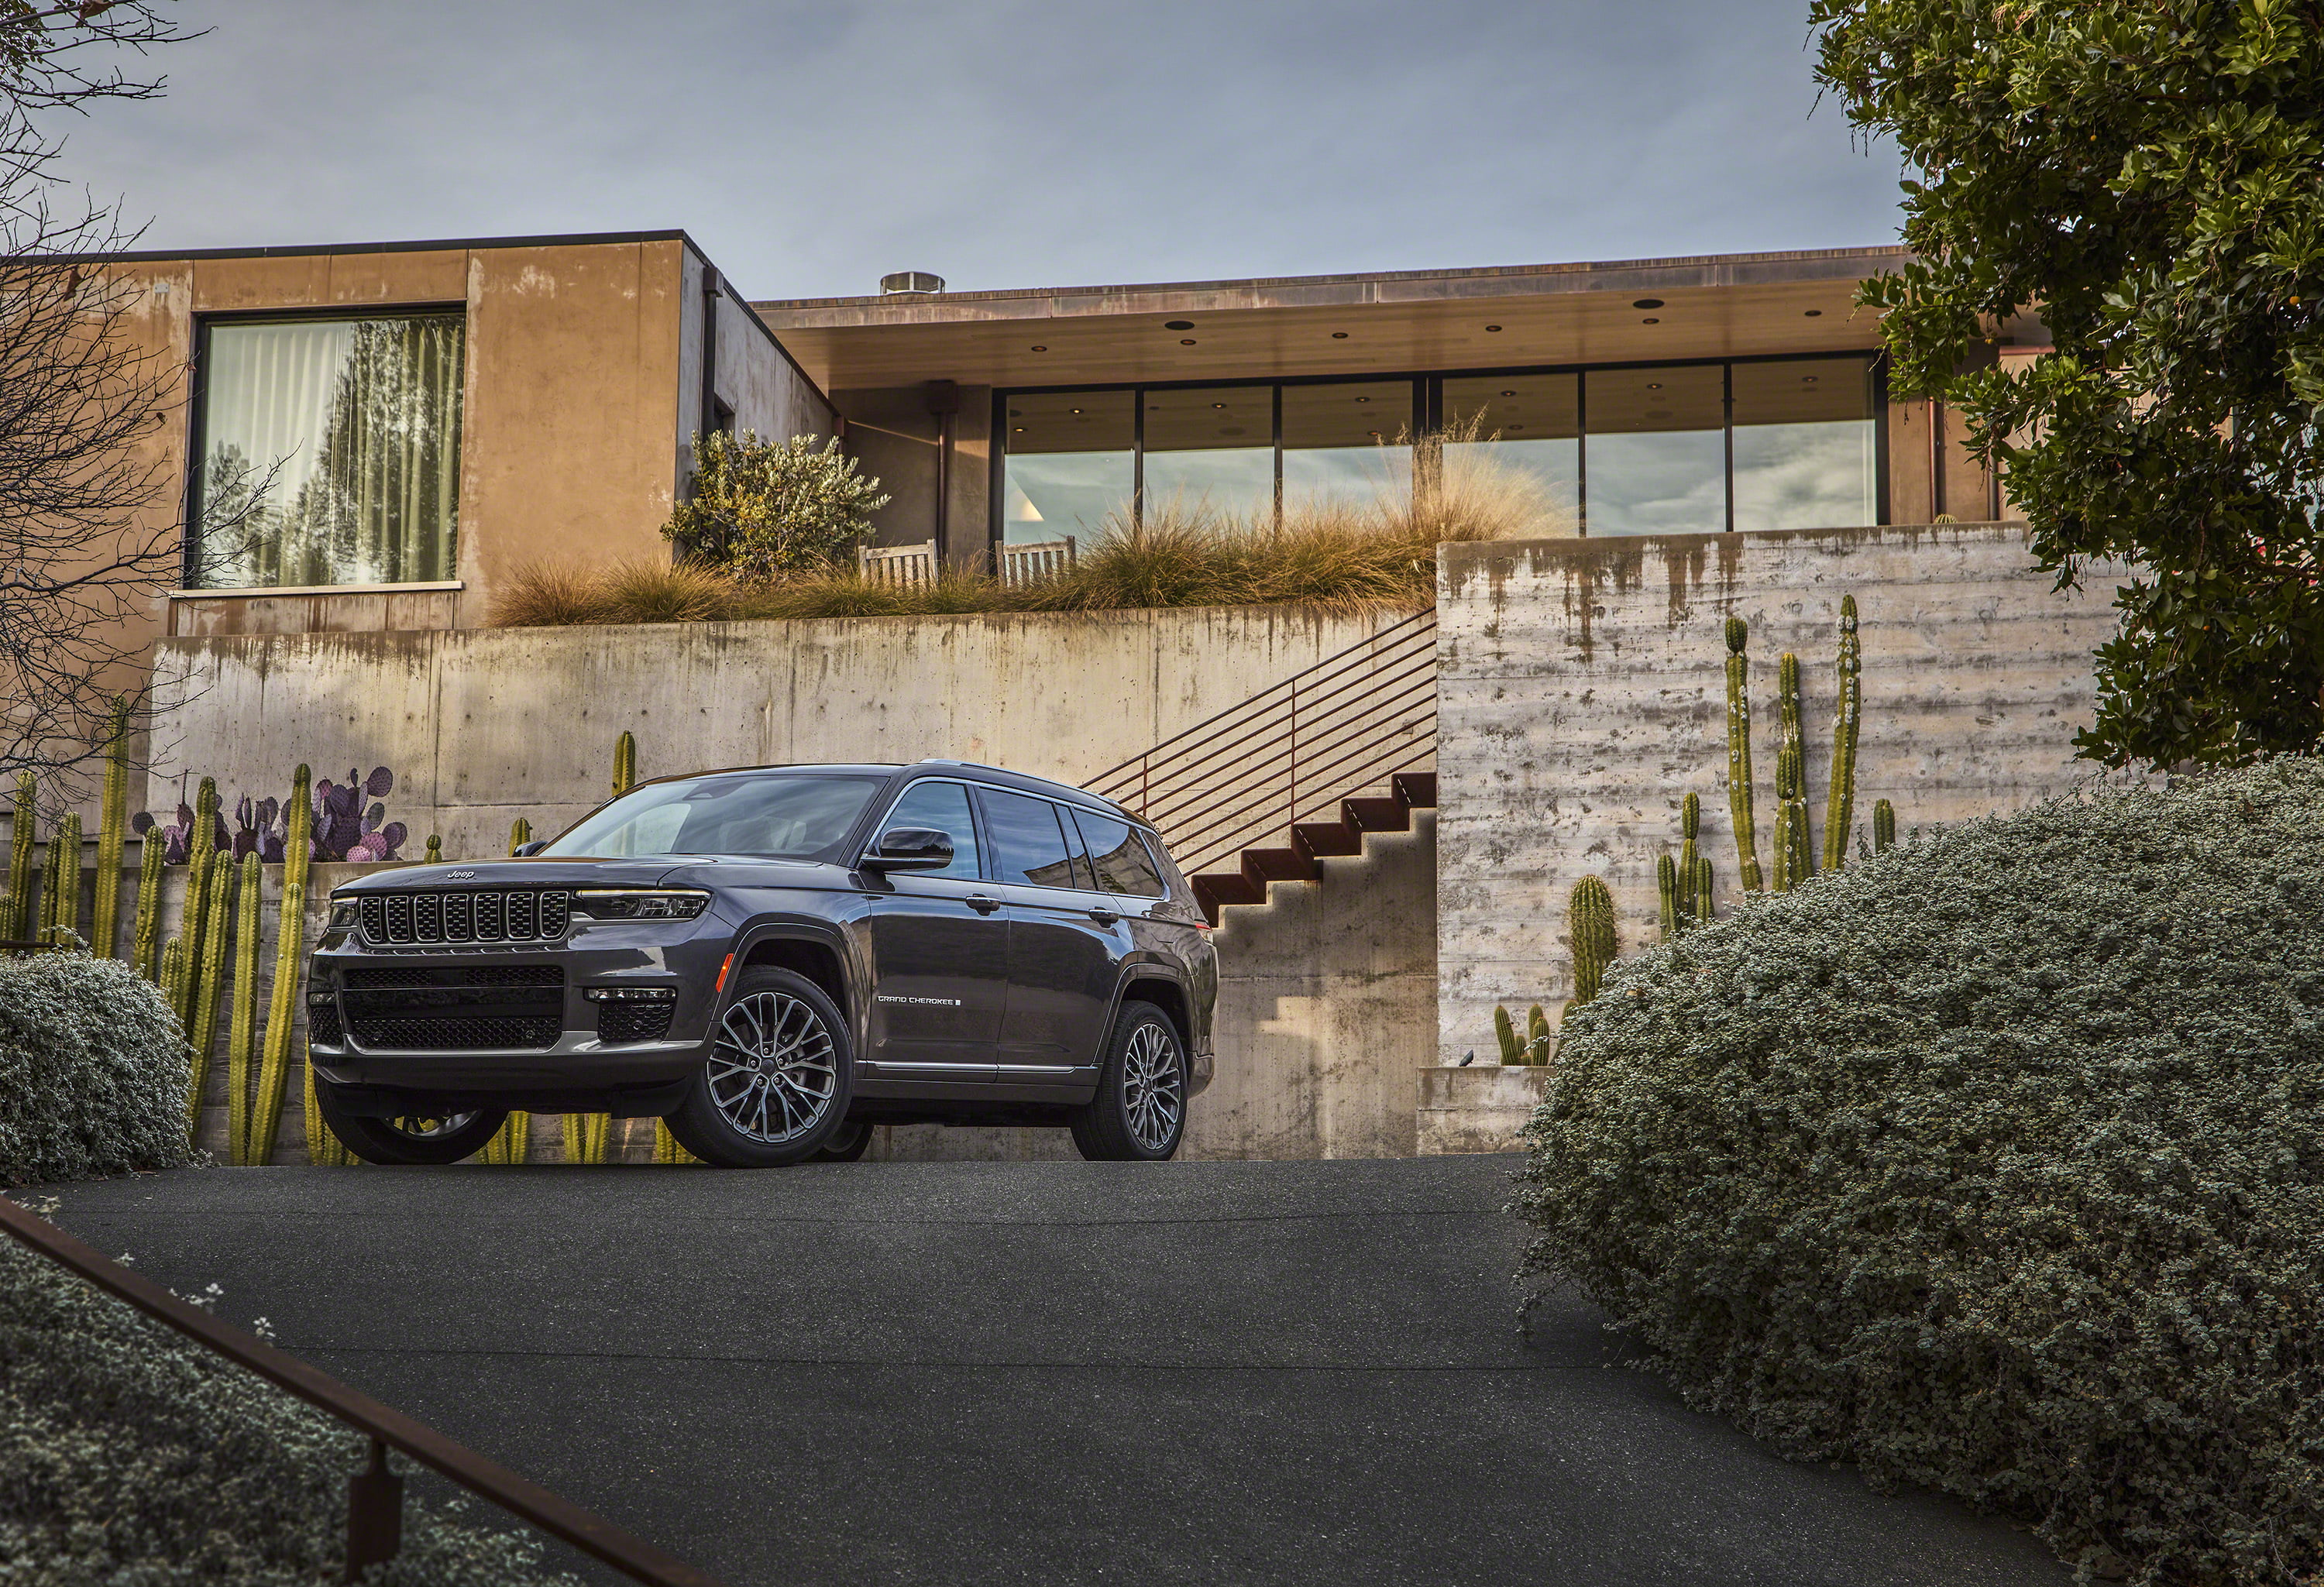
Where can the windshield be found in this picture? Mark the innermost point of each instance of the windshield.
(784, 816)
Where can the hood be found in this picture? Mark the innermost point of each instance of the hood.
(546, 871)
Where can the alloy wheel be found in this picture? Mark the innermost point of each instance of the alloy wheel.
(1152, 1086)
(774, 1068)
(429, 1129)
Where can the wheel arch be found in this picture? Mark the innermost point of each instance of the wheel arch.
(804, 947)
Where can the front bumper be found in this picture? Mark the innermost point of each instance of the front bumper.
(581, 1071)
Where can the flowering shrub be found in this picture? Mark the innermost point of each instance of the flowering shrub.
(762, 508)
(92, 1072)
(1994, 1163)
(129, 1453)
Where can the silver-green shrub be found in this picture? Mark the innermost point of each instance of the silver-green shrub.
(1994, 1163)
(93, 1071)
(130, 1454)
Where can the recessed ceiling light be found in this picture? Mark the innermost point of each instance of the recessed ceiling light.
(1339, 335)
(1185, 341)
(1038, 348)
(1650, 319)
(1020, 430)
(1492, 327)
(1217, 404)
(1807, 380)
(1814, 313)
(1373, 433)
(1654, 385)
(1516, 427)
(1177, 325)
(1508, 394)
(1363, 399)
(1648, 303)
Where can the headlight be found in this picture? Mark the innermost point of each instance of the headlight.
(640, 903)
(343, 915)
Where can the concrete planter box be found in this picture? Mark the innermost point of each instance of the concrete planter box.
(1480, 1108)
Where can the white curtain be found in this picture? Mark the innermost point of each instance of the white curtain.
(331, 452)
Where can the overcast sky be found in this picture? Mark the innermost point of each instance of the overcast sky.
(810, 145)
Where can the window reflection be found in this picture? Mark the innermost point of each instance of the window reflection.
(1070, 464)
(1212, 447)
(1657, 455)
(1804, 445)
(1530, 422)
(1348, 443)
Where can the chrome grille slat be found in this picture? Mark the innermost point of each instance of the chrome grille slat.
(439, 919)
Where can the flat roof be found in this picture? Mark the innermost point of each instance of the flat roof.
(429, 246)
(1709, 306)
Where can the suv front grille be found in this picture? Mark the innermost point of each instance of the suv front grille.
(454, 1008)
(428, 919)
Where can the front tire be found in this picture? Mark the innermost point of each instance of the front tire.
(780, 1074)
(411, 1139)
(1139, 1114)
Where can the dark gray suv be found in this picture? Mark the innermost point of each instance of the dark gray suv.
(774, 959)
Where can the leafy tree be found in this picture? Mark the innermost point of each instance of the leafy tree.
(2149, 180)
(761, 508)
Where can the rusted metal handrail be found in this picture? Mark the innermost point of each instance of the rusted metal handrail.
(1291, 752)
(375, 1494)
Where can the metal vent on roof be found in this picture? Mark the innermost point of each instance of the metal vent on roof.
(911, 281)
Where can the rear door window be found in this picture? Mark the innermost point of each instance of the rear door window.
(1118, 856)
(1028, 846)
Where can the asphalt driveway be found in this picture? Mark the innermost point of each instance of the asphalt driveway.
(1051, 1372)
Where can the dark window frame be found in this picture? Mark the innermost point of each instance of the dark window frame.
(197, 399)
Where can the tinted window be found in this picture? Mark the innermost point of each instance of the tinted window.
(943, 806)
(1123, 865)
(1027, 845)
(782, 817)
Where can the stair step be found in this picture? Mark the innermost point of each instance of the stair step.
(1268, 865)
(1416, 788)
(1376, 815)
(1324, 838)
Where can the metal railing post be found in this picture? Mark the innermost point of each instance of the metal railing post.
(374, 1514)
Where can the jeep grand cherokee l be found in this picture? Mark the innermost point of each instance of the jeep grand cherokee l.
(773, 959)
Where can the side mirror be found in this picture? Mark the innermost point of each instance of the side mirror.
(910, 848)
(524, 850)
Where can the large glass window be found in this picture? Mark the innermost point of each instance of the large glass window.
(1658, 449)
(1028, 846)
(1212, 447)
(778, 817)
(1346, 445)
(1805, 448)
(1531, 423)
(940, 806)
(329, 452)
(1072, 463)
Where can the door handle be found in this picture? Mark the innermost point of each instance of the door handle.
(1104, 917)
(982, 903)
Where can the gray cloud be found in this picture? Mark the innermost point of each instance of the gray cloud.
(811, 146)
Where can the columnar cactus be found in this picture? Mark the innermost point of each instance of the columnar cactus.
(1689, 828)
(1590, 923)
(112, 824)
(510, 1142)
(201, 1030)
(625, 763)
(201, 852)
(434, 855)
(15, 917)
(1666, 889)
(667, 1149)
(290, 959)
(1790, 782)
(1884, 826)
(1537, 1036)
(1738, 755)
(1505, 1032)
(519, 835)
(1839, 798)
(64, 877)
(584, 1136)
(172, 975)
(144, 932)
(242, 1030)
(1702, 894)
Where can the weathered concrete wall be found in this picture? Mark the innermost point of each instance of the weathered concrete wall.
(1582, 695)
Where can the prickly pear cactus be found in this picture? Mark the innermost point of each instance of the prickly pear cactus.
(1505, 1032)
(1590, 923)
(1738, 754)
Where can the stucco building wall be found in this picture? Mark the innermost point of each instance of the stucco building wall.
(1582, 695)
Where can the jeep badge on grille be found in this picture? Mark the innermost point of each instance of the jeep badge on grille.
(459, 875)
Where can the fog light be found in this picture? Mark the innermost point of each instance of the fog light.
(631, 994)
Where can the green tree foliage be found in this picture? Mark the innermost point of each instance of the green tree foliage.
(762, 509)
(2150, 182)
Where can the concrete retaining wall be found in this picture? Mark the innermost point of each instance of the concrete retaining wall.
(1582, 695)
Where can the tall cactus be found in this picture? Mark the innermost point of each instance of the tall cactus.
(519, 835)
(290, 959)
(15, 907)
(201, 1030)
(64, 873)
(1884, 826)
(112, 823)
(201, 852)
(324, 1149)
(1792, 866)
(1702, 892)
(1538, 1036)
(1689, 828)
(510, 1143)
(1666, 890)
(625, 763)
(1590, 923)
(242, 1029)
(1505, 1032)
(667, 1149)
(144, 932)
(586, 1137)
(173, 973)
(1839, 798)
(1738, 755)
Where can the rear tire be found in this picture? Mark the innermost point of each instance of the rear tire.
(780, 1074)
(850, 1143)
(1139, 1114)
(411, 1139)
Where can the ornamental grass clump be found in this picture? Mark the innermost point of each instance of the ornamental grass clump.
(1994, 1163)
(129, 1455)
(93, 1072)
